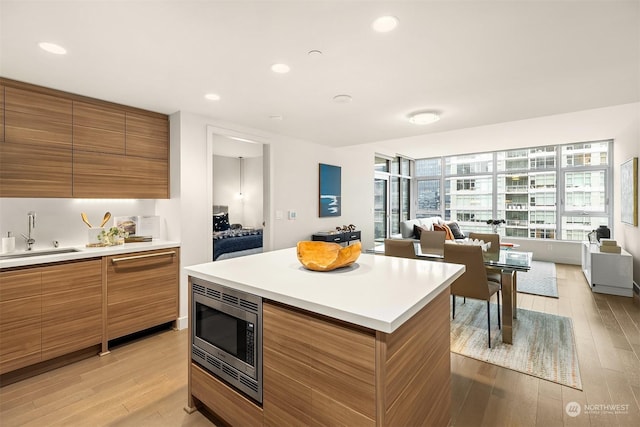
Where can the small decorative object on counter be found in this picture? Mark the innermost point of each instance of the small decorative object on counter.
(495, 223)
(603, 232)
(327, 256)
(8, 243)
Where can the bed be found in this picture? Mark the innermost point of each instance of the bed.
(233, 240)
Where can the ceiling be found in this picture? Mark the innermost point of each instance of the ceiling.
(476, 62)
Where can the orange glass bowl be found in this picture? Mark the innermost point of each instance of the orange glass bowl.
(327, 256)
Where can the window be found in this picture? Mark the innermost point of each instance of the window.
(550, 192)
(392, 195)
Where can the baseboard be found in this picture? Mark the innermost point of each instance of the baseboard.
(182, 323)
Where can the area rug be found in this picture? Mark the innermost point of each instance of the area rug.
(540, 280)
(543, 344)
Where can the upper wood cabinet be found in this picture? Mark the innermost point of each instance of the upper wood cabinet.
(37, 119)
(144, 136)
(97, 128)
(57, 144)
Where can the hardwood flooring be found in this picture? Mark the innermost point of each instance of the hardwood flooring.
(144, 382)
(607, 333)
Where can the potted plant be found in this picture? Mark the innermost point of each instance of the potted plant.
(113, 236)
(495, 223)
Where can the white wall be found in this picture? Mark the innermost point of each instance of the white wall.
(620, 123)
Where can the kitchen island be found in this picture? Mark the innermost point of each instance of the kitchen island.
(363, 345)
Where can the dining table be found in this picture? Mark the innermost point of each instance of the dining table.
(508, 261)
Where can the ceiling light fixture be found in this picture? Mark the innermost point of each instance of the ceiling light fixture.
(52, 48)
(212, 97)
(280, 68)
(315, 53)
(424, 117)
(275, 117)
(384, 24)
(239, 195)
(342, 99)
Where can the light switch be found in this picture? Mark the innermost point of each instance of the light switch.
(292, 215)
(278, 214)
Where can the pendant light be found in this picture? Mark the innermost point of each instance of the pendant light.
(240, 177)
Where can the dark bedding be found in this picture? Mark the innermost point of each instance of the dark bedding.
(235, 240)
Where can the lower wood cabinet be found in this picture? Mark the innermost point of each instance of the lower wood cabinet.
(49, 311)
(142, 290)
(71, 307)
(57, 309)
(20, 319)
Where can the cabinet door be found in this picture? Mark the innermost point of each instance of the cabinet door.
(147, 136)
(20, 319)
(98, 128)
(71, 307)
(34, 118)
(31, 171)
(112, 176)
(142, 291)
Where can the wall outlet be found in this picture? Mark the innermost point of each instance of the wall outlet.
(292, 215)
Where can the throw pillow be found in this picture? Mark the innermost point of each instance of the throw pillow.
(221, 222)
(455, 230)
(446, 229)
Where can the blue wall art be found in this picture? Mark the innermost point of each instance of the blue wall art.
(330, 190)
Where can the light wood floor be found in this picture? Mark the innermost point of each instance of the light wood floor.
(144, 383)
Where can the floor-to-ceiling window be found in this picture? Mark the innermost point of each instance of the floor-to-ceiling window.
(392, 192)
(549, 192)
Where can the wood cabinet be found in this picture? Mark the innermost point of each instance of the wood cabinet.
(142, 290)
(20, 319)
(98, 128)
(71, 307)
(49, 311)
(56, 144)
(36, 153)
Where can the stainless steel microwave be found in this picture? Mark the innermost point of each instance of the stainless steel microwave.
(227, 335)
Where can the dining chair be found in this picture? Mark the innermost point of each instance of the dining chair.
(402, 248)
(474, 282)
(494, 274)
(432, 242)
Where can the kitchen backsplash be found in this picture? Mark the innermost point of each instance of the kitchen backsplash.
(59, 219)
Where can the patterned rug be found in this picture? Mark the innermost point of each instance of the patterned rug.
(543, 344)
(540, 280)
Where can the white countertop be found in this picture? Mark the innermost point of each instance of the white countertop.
(376, 292)
(84, 252)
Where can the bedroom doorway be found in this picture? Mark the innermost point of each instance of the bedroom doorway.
(238, 193)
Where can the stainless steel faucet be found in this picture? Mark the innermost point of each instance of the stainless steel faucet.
(31, 224)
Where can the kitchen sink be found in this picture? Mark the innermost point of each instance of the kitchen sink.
(27, 254)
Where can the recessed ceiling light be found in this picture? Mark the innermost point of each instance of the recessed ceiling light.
(212, 97)
(52, 48)
(342, 99)
(315, 53)
(384, 24)
(275, 117)
(280, 68)
(424, 117)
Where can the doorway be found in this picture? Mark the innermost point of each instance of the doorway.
(238, 190)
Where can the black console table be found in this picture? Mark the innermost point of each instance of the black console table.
(336, 236)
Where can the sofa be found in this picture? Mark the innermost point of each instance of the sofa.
(407, 227)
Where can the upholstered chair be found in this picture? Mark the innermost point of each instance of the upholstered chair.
(399, 248)
(474, 282)
(494, 274)
(432, 242)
